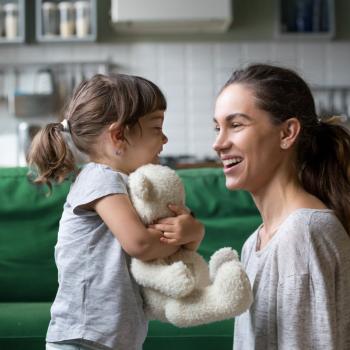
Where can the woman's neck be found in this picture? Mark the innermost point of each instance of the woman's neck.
(281, 198)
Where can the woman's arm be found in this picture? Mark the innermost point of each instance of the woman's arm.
(306, 314)
(138, 241)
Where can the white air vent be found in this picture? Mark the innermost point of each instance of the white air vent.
(171, 16)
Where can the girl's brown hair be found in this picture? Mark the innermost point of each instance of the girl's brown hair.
(96, 104)
(323, 146)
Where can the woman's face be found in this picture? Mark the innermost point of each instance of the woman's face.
(247, 142)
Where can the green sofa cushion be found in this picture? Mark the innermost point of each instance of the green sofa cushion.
(28, 233)
(23, 326)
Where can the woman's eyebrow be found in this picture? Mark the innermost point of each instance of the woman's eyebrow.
(229, 117)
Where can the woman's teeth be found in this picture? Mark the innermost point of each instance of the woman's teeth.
(232, 161)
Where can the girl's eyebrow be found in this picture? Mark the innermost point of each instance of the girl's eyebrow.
(229, 117)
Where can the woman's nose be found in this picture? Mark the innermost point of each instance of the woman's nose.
(221, 142)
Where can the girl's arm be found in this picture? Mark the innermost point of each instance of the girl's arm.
(183, 229)
(138, 241)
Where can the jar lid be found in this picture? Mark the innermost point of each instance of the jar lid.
(11, 7)
(49, 5)
(82, 4)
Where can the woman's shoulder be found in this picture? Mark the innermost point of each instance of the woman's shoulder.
(314, 227)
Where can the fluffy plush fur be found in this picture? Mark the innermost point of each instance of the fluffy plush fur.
(182, 289)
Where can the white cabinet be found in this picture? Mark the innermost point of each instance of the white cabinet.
(172, 15)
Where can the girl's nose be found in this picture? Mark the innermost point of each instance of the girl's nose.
(165, 139)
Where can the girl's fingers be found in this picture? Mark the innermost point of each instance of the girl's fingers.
(168, 241)
(163, 227)
(178, 210)
(169, 220)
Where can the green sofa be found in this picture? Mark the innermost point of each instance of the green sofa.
(28, 277)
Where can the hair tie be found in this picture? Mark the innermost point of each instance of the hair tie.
(65, 125)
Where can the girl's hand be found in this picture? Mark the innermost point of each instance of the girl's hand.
(182, 229)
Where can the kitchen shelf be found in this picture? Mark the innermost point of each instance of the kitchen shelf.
(41, 37)
(305, 19)
(21, 23)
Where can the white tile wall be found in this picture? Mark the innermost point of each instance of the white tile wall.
(190, 74)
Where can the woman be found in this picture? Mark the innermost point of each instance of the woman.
(296, 167)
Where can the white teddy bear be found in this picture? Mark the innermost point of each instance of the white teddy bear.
(182, 289)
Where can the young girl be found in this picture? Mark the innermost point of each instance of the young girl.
(117, 122)
(296, 167)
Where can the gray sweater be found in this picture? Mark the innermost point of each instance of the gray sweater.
(301, 286)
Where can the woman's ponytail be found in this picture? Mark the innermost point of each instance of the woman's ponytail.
(50, 155)
(324, 157)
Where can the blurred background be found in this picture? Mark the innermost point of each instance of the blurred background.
(188, 47)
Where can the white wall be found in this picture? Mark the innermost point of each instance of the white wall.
(190, 74)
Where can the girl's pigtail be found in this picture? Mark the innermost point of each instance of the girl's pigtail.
(325, 170)
(50, 156)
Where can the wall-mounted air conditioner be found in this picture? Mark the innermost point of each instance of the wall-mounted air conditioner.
(171, 16)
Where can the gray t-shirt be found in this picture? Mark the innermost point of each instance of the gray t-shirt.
(301, 286)
(97, 299)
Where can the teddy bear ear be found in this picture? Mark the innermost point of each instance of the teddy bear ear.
(142, 187)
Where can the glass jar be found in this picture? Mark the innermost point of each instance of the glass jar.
(2, 21)
(50, 18)
(83, 18)
(11, 20)
(67, 19)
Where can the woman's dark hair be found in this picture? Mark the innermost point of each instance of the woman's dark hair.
(96, 104)
(323, 146)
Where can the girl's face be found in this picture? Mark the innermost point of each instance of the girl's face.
(247, 142)
(145, 141)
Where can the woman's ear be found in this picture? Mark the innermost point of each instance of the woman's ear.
(289, 132)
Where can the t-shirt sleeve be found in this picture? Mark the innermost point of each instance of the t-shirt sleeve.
(306, 310)
(94, 184)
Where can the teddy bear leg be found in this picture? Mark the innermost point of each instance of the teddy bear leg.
(220, 257)
(227, 297)
(174, 280)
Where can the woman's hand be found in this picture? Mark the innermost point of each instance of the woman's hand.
(182, 229)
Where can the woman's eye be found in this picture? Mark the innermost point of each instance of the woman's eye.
(216, 128)
(236, 125)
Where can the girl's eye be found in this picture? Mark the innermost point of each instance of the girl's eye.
(216, 128)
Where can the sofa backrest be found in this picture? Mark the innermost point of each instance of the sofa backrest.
(229, 216)
(29, 223)
(28, 230)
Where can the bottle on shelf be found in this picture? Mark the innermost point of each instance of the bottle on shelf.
(67, 19)
(83, 18)
(11, 20)
(50, 17)
(2, 21)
